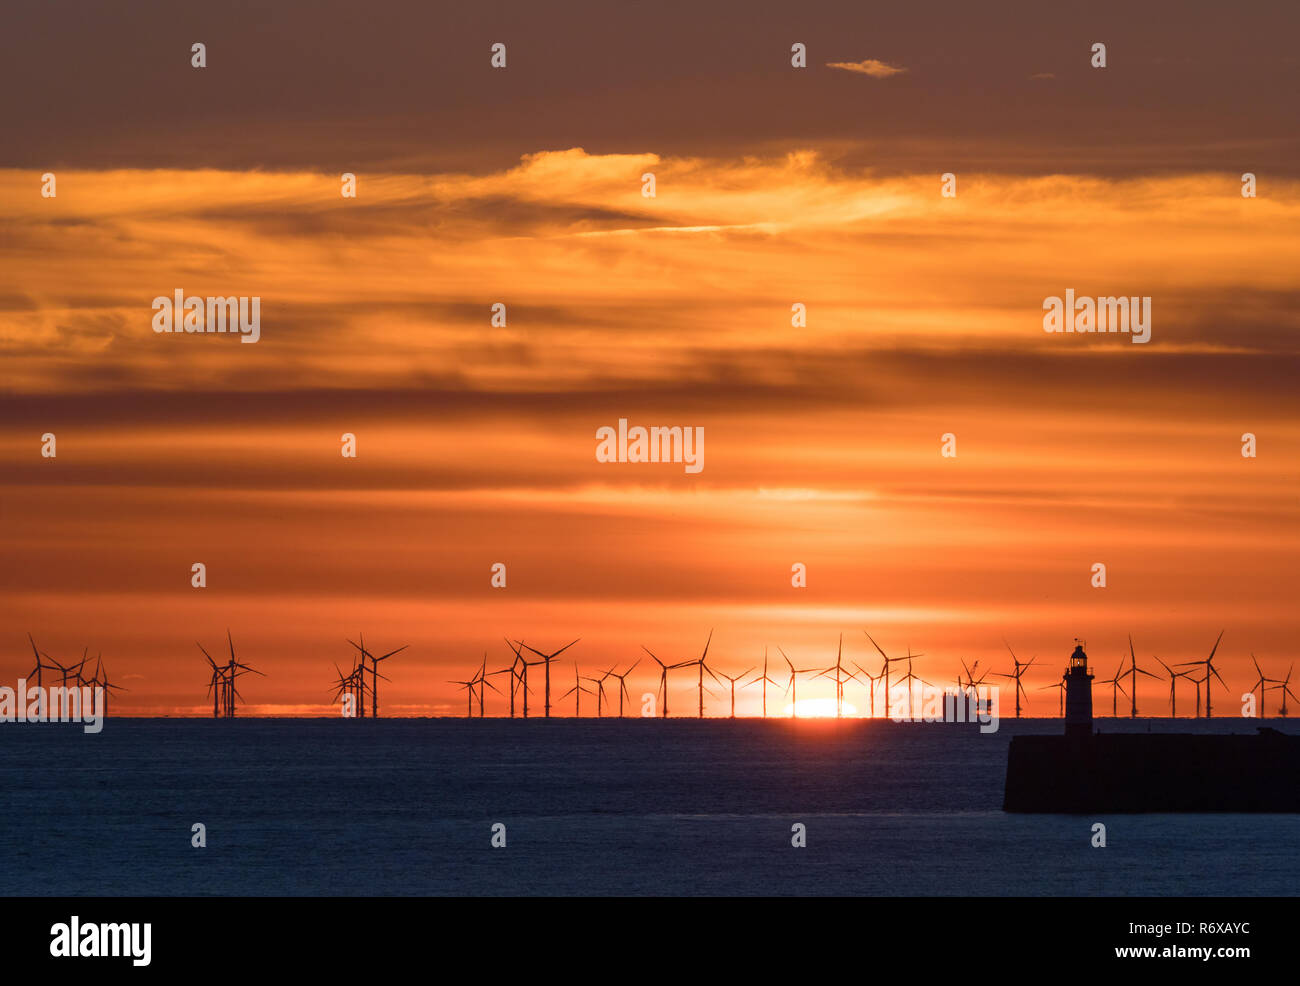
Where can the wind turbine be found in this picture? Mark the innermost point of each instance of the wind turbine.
(733, 687)
(972, 683)
(1285, 688)
(1132, 673)
(513, 682)
(871, 683)
(41, 665)
(546, 660)
(522, 674)
(481, 680)
(600, 691)
(839, 670)
(374, 670)
(793, 688)
(1260, 684)
(469, 696)
(216, 686)
(663, 680)
(909, 678)
(1017, 670)
(703, 667)
(1210, 670)
(577, 692)
(233, 670)
(1173, 680)
(1115, 689)
(1059, 686)
(885, 673)
(344, 683)
(73, 671)
(622, 685)
(766, 681)
(106, 685)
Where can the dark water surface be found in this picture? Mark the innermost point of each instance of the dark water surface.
(634, 806)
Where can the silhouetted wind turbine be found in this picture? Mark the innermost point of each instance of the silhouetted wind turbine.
(972, 683)
(41, 665)
(108, 687)
(839, 671)
(663, 680)
(871, 684)
(82, 680)
(73, 671)
(513, 682)
(600, 690)
(576, 691)
(1115, 689)
(733, 681)
(766, 681)
(481, 680)
(230, 671)
(546, 660)
(469, 696)
(1173, 682)
(885, 673)
(342, 684)
(910, 677)
(1059, 686)
(1260, 684)
(703, 668)
(216, 686)
(524, 664)
(374, 670)
(1285, 688)
(1210, 671)
(1132, 673)
(57, 666)
(1017, 670)
(622, 685)
(793, 688)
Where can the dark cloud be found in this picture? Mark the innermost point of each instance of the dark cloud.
(351, 86)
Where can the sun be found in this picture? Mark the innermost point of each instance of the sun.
(819, 708)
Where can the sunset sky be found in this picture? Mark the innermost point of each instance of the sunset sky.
(775, 186)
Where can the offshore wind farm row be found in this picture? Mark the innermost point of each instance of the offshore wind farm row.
(892, 704)
(527, 683)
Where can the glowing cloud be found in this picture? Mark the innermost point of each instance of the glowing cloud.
(869, 66)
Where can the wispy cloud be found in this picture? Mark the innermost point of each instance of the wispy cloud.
(869, 66)
(924, 317)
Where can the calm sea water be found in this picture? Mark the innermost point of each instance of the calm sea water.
(307, 806)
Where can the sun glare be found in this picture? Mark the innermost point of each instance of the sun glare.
(816, 708)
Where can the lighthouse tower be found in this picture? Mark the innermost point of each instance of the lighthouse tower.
(1078, 695)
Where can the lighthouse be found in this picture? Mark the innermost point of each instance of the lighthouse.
(1078, 695)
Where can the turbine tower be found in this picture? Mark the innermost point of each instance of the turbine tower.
(546, 660)
(577, 691)
(663, 680)
(1018, 669)
(885, 671)
(793, 687)
(1261, 684)
(766, 681)
(374, 670)
(842, 674)
(1115, 689)
(1132, 673)
(732, 681)
(1210, 672)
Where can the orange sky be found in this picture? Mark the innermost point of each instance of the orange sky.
(476, 443)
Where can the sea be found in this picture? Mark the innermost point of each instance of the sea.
(587, 807)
